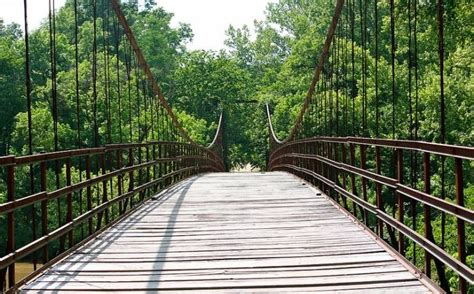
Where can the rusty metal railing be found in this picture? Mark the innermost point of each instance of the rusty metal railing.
(339, 167)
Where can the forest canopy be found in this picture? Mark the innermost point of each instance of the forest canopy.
(272, 64)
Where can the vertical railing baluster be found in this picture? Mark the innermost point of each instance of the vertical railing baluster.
(148, 168)
(131, 184)
(69, 202)
(344, 174)
(353, 180)
(153, 150)
(44, 207)
(160, 166)
(336, 174)
(427, 210)
(363, 165)
(105, 192)
(11, 222)
(140, 172)
(89, 192)
(119, 179)
(378, 190)
(400, 204)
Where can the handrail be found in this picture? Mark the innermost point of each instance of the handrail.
(456, 151)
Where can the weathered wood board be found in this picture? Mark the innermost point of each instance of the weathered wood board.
(233, 233)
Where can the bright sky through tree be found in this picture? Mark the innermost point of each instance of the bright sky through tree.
(209, 19)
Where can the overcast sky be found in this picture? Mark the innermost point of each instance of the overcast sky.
(209, 19)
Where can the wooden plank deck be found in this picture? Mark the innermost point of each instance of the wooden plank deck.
(233, 233)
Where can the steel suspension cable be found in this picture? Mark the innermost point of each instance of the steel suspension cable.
(128, 62)
(137, 89)
(392, 50)
(413, 167)
(330, 89)
(118, 40)
(94, 74)
(346, 90)
(105, 44)
(442, 139)
(30, 123)
(145, 106)
(353, 90)
(376, 35)
(78, 102)
(337, 78)
(52, 49)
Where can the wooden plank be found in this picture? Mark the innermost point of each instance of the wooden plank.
(71, 284)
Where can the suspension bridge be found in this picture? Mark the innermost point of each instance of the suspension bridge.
(338, 210)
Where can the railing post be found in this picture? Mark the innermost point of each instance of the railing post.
(148, 191)
(153, 152)
(363, 165)
(344, 175)
(353, 183)
(11, 223)
(119, 179)
(89, 192)
(378, 190)
(140, 172)
(460, 223)
(160, 166)
(104, 193)
(401, 210)
(131, 184)
(44, 208)
(336, 171)
(427, 210)
(69, 201)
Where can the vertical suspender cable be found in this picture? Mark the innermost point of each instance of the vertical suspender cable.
(76, 59)
(105, 43)
(364, 72)
(440, 13)
(52, 51)
(330, 88)
(415, 59)
(145, 104)
(137, 88)
(128, 62)
(78, 103)
(413, 167)
(376, 35)
(118, 39)
(346, 91)
(410, 65)
(30, 123)
(362, 62)
(94, 73)
(337, 78)
(353, 94)
(53, 56)
(325, 89)
(392, 48)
